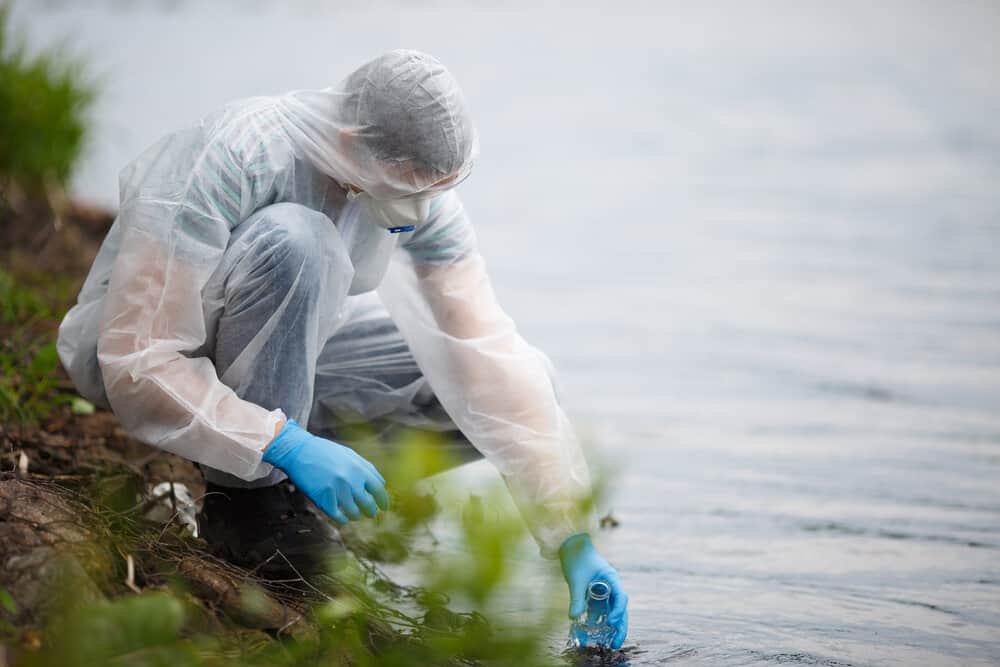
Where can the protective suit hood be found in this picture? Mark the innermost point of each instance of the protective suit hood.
(394, 127)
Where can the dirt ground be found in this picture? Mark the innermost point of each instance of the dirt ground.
(74, 488)
(52, 254)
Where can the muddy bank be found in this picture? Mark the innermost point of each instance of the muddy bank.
(75, 507)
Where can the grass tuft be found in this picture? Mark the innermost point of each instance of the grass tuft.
(44, 102)
(31, 381)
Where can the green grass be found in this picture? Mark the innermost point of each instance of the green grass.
(44, 101)
(20, 304)
(31, 385)
(357, 616)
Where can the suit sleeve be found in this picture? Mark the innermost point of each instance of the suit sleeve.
(493, 384)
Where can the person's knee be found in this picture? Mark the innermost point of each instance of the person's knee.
(289, 239)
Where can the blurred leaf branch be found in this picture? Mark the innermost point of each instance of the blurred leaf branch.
(458, 612)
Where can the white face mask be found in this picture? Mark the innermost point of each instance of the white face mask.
(395, 215)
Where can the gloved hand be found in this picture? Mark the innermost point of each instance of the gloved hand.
(340, 481)
(581, 564)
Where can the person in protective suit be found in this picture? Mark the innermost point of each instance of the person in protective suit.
(293, 261)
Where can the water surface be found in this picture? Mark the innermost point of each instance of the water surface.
(761, 244)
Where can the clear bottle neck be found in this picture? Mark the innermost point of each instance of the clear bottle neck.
(599, 591)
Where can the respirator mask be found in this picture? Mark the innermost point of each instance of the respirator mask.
(394, 215)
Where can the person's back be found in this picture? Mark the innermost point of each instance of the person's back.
(250, 163)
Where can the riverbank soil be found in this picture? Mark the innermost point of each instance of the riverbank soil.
(75, 507)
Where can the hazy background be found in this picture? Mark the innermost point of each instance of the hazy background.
(762, 245)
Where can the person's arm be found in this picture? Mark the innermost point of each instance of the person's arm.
(493, 384)
(498, 391)
(173, 237)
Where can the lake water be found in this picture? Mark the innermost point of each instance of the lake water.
(762, 245)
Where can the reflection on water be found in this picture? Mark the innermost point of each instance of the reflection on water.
(761, 246)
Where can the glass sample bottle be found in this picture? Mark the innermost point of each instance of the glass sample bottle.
(592, 628)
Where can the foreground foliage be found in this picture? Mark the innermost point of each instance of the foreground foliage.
(192, 609)
(353, 616)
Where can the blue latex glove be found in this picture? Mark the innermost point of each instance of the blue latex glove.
(339, 480)
(581, 564)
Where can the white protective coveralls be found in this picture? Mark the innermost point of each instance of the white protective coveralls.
(146, 333)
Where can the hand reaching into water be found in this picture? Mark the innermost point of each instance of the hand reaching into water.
(582, 565)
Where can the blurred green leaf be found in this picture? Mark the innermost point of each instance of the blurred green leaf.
(337, 609)
(81, 406)
(7, 601)
(134, 630)
(455, 612)
(44, 362)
